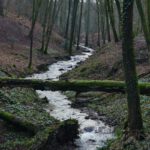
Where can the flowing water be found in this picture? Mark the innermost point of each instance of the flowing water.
(93, 133)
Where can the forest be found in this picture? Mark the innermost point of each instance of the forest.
(74, 74)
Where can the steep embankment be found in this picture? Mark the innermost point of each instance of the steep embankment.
(15, 42)
(106, 63)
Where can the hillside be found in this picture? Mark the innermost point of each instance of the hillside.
(14, 46)
(106, 63)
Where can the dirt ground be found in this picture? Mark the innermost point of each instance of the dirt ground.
(14, 46)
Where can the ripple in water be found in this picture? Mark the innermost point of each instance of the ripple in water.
(93, 133)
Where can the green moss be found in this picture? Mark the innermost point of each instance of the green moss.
(25, 104)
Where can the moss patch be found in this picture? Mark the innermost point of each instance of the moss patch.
(25, 104)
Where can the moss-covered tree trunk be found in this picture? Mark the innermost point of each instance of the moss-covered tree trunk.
(109, 86)
(135, 123)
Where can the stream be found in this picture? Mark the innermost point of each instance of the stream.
(93, 133)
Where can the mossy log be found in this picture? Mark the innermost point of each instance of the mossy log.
(48, 137)
(19, 123)
(109, 86)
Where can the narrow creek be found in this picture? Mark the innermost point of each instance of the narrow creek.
(93, 133)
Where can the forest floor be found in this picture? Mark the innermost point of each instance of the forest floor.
(15, 45)
(25, 103)
(106, 63)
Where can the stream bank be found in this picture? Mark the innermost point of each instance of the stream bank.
(26, 105)
(111, 108)
(93, 133)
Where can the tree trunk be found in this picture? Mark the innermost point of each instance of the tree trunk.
(50, 26)
(107, 22)
(148, 14)
(1, 8)
(80, 24)
(135, 123)
(52, 20)
(120, 16)
(98, 22)
(35, 12)
(87, 23)
(73, 23)
(112, 19)
(74, 85)
(18, 122)
(103, 21)
(144, 25)
(46, 14)
(67, 24)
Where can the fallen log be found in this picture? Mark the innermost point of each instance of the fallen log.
(109, 86)
(45, 138)
(18, 122)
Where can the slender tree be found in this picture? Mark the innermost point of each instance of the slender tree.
(148, 13)
(68, 23)
(87, 22)
(103, 21)
(135, 123)
(112, 19)
(144, 25)
(51, 22)
(50, 26)
(119, 9)
(98, 22)
(73, 23)
(80, 23)
(1, 7)
(35, 12)
(107, 22)
(48, 4)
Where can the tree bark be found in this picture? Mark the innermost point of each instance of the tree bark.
(144, 25)
(18, 122)
(135, 123)
(112, 19)
(80, 24)
(87, 22)
(67, 24)
(148, 13)
(109, 86)
(107, 22)
(119, 9)
(73, 23)
(98, 22)
(1, 8)
(35, 12)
